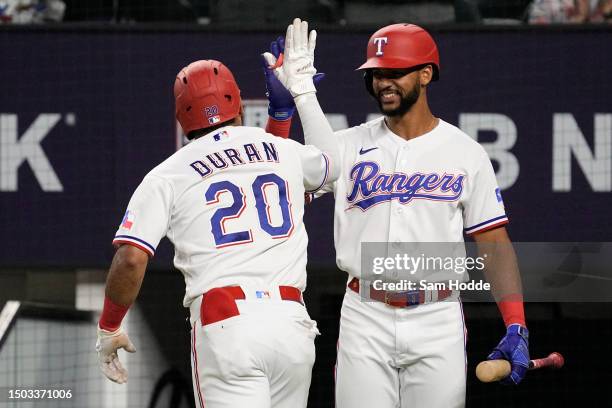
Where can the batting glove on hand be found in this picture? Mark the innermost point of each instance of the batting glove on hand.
(296, 70)
(107, 345)
(281, 105)
(514, 347)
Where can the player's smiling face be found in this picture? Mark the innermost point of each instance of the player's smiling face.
(396, 90)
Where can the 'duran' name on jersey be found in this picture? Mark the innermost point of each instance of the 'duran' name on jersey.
(248, 153)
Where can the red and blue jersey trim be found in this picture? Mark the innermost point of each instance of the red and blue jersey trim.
(137, 242)
(487, 225)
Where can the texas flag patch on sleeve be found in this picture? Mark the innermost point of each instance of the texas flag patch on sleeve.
(128, 220)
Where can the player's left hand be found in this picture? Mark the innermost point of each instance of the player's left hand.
(296, 71)
(514, 347)
(107, 345)
(280, 102)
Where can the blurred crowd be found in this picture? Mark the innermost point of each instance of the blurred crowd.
(534, 11)
(343, 12)
(570, 11)
(31, 11)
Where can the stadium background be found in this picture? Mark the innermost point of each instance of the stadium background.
(86, 109)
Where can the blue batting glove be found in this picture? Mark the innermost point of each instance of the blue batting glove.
(514, 347)
(281, 105)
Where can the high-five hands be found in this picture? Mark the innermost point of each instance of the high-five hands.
(297, 69)
(281, 105)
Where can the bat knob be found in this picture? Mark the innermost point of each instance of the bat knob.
(557, 360)
(554, 360)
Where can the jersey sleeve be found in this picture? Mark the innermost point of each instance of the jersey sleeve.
(484, 208)
(316, 167)
(146, 219)
(331, 183)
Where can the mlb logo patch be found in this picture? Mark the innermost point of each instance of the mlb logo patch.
(220, 136)
(212, 113)
(498, 195)
(262, 294)
(128, 220)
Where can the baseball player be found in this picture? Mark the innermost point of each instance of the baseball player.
(231, 202)
(412, 177)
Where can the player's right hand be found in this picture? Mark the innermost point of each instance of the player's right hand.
(280, 102)
(297, 69)
(107, 345)
(514, 347)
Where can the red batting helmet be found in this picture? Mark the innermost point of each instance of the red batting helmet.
(401, 46)
(205, 94)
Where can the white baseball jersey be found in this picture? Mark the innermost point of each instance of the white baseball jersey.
(232, 204)
(433, 188)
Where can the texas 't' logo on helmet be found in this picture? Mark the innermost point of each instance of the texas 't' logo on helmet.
(380, 41)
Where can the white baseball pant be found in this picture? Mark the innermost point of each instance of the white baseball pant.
(391, 357)
(261, 358)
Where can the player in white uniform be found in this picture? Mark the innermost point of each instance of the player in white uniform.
(231, 202)
(411, 177)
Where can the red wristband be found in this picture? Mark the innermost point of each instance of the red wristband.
(112, 315)
(278, 128)
(512, 310)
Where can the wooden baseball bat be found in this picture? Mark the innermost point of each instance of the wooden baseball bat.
(495, 370)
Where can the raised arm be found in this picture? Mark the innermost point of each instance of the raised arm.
(296, 74)
(280, 102)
